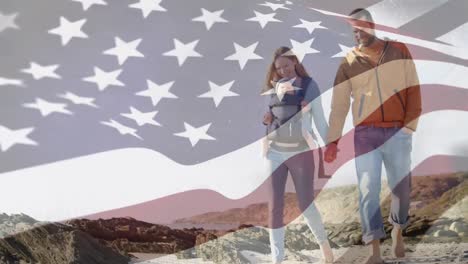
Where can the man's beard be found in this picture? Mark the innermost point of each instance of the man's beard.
(369, 42)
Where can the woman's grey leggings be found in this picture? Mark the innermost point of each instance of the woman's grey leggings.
(301, 168)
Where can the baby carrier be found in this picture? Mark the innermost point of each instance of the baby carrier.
(286, 126)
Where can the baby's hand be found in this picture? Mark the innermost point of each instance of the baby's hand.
(285, 87)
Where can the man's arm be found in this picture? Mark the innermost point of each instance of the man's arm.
(413, 93)
(339, 105)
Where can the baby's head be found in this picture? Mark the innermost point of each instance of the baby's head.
(283, 85)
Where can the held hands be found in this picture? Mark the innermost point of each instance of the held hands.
(331, 152)
(267, 118)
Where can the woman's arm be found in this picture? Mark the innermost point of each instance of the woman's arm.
(307, 128)
(265, 146)
(267, 119)
(319, 118)
(313, 106)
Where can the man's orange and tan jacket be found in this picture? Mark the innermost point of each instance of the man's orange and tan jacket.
(388, 92)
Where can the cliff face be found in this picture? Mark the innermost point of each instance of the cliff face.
(130, 235)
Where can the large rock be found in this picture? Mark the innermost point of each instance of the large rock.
(228, 247)
(445, 233)
(56, 244)
(418, 227)
(299, 237)
(221, 251)
(458, 227)
(203, 238)
(344, 235)
(15, 223)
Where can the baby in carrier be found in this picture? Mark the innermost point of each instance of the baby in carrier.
(290, 116)
(290, 133)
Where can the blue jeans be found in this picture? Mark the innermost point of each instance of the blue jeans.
(392, 147)
(301, 167)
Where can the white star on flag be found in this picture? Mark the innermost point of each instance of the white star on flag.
(104, 79)
(123, 130)
(243, 55)
(274, 6)
(344, 51)
(302, 48)
(148, 6)
(123, 50)
(9, 137)
(309, 26)
(142, 118)
(218, 92)
(86, 4)
(46, 108)
(183, 51)
(209, 18)
(156, 91)
(79, 100)
(38, 71)
(263, 19)
(68, 30)
(8, 21)
(195, 134)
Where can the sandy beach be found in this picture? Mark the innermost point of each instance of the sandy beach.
(418, 253)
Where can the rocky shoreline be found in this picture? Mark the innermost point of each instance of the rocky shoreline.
(113, 240)
(106, 241)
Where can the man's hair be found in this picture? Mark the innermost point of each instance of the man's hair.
(361, 12)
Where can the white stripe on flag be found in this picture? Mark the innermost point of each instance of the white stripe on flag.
(6, 81)
(396, 13)
(329, 13)
(457, 37)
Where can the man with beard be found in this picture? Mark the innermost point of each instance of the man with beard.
(381, 78)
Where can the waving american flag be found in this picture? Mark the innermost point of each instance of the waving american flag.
(108, 104)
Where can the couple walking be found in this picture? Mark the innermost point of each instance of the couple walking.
(381, 78)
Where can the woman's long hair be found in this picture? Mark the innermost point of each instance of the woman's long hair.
(272, 74)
